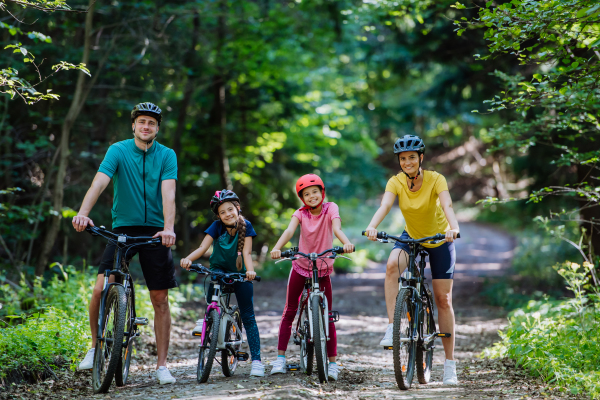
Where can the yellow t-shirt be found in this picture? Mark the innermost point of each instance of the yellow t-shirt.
(422, 210)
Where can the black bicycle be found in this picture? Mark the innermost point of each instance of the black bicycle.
(312, 327)
(222, 326)
(117, 320)
(414, 323)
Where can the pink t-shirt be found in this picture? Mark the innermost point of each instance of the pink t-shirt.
(316, 235)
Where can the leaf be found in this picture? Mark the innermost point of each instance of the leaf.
(23, 50)
(538, 77)
(458, 6)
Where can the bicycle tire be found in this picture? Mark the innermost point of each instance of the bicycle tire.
(108, 349)
(319, 339)
(404, 352)
(307, 349)
(122, 373)
(232, 333)
(425, 356)
(208, 349)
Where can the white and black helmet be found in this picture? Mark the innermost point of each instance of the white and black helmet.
(149, 109)
(409, 143)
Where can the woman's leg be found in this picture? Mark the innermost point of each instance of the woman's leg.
(325, 283)
(244, 293)
(292, 298)
(442, 290)
(397, 258)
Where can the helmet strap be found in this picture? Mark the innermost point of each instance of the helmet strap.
(412, 178)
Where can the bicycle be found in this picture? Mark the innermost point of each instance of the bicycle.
(222, 326)
(117, 321)
(312, 336)
(414, 325)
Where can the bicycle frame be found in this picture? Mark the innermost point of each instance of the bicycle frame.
(220, 301)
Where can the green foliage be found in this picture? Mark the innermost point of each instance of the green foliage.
(44, 338)
(557, 340)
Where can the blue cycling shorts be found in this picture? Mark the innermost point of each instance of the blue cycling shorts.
(442, 259)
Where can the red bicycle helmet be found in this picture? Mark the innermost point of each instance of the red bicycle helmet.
(310, 180)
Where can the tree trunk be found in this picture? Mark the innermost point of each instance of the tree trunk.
(79, 98)
(219, 105)
(590, 211)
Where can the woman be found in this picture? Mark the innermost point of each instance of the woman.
(427, 209)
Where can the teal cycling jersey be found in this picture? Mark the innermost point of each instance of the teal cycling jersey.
(137, 179)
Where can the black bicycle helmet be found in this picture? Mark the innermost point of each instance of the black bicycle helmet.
(409, 143)
(220, 197)
(149, 109)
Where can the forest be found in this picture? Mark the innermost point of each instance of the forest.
(256, 93)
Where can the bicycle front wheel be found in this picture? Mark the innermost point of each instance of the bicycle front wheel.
(122, 373)
(307, 349)
(425, 352)
(405, 345)
(108, 347)
(208, 349)
(233, 333)
(319, 338)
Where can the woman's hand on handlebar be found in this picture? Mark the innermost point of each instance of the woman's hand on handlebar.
(275, 254)
(250, 275)
(185, 263)
(371, 233)
(451, 235)
(348, 248)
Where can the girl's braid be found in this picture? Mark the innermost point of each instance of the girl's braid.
(239, 263)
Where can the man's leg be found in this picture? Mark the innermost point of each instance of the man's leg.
(398, 258)
(95, 305)
(442, 290)
(162, 324)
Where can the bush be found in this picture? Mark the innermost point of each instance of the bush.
(558, 340)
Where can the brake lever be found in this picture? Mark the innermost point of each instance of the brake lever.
(347, 258)
(283, 259)
(383, 240)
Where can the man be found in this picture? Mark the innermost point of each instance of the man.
(144, 174)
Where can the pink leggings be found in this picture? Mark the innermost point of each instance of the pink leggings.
(292, 299)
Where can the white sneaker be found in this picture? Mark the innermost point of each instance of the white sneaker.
(279, 366)
(197, 331)
(388, 339)
(333, 371)
(88, 361)
(258, 368)
(450, 373)
(164, 376)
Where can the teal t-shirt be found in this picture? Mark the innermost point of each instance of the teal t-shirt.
(137, 177)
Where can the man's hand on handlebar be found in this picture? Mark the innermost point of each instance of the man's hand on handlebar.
(250, 275)
(80, 222)
(168, 237)
(451, 235)
(275, 254)
(185, 263)
(348, 248)
(371, 233)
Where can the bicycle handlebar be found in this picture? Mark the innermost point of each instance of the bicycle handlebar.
(235, 276)
(385, 236)
(121, 238)
(294, 252)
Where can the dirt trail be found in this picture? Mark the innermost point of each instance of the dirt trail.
(367, 368)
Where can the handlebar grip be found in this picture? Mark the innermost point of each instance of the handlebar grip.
(338, 250)
(458, 236)
(257, 278)
(380, 235)
(363, 233)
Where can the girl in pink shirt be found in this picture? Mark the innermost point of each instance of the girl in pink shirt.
(318, 222)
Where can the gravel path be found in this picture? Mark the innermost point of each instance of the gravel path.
(367, 369)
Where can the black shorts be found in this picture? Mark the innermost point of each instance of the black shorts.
(157, 262)
(442, 259)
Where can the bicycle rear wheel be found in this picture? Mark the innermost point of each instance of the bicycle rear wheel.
(125, 360)
(319, 339)
(108, 347)
(425, 354)
(208, 349)
(307, 349)
(404, 344)
(233, 333)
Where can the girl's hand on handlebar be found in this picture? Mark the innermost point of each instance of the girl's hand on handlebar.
(451, 235)
(185, 263)
(250, 275)
(275, 254)
(371, 233)
(348, 248)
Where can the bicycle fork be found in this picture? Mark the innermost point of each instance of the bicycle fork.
(320, 294)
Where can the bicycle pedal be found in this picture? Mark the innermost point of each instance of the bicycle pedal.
(242, 356)
(334, 316)
(141, 321)
(388, 347)
(293, 367)
(443, 335)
